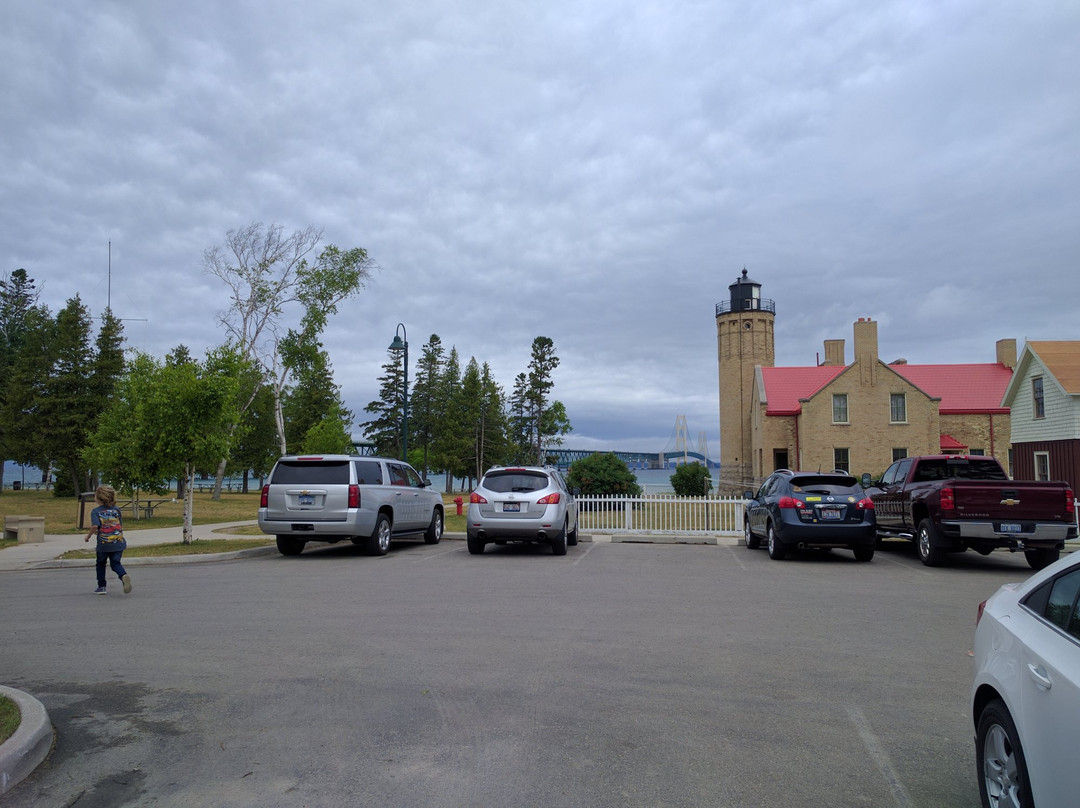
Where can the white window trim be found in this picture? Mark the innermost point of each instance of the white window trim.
(1037, 456)
(905, 420)
(847, 408)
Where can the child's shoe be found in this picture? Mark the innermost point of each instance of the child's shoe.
(99, 591)
(127, 583)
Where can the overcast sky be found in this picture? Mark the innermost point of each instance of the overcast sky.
(594, 172)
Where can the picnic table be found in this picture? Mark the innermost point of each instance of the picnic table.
(146, 506)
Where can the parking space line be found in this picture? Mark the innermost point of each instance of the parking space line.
(581, 557)
(879, 756)
(435, 554)
(738, 560)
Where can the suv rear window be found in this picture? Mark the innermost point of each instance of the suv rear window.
(505, 482)
(312, 472)
(826, 485)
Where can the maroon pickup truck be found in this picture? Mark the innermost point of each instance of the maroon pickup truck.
(949, 503)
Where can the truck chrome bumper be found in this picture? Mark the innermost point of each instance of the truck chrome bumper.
(1037, 531)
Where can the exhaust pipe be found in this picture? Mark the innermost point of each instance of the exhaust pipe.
(542, 535)
(480, 534)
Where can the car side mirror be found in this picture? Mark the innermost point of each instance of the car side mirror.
(748, 494)
(866, 481)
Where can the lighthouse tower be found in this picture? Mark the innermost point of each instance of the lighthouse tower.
(744, 340)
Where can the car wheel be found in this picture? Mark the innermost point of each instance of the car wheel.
(777, 550)
(1000, 763)
(926, 542)
(475, 543)
(434, 530)
(558, 542)
(289, 546)
(379, 542)
(571, 537)
(749, 539)
(1041, 557)
(863, 553)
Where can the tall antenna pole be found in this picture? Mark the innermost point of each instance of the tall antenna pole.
(108, 300)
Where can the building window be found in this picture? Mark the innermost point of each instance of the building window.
(1042, 465)
(898, 408)
(977, 452)
(898, 454)
(839, 408)
(842, 460)
(1037, 400)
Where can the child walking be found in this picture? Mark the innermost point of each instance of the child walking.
(106, 523)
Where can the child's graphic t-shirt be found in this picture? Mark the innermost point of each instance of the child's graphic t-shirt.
(110, 533)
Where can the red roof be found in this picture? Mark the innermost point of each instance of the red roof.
(949, 442)
(785, 386)
(961, 388)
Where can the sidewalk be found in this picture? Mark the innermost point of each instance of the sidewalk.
(46, 554)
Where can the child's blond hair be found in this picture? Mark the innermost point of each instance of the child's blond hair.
(106, 495)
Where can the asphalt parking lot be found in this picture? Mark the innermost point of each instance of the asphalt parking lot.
(618, 675)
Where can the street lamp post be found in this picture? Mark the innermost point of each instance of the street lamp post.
(401, 343)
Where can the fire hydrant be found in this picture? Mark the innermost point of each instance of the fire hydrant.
(458, 501)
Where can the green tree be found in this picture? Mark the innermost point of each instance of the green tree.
(330, 435)
(18, 305)
(547, 423)
(312, 398)
(269, 276)
(691, 480)
(256, 451)
(384, 430)
(602, 473)
(427, 405)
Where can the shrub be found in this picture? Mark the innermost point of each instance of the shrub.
(603, 473)
(691, 480)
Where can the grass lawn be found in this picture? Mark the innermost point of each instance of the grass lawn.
(10, 717)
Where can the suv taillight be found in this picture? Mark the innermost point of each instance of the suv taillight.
(790, 502)
(1070, 503)
(979, 614)
(354, 496)
(865, 504)
(550, 499)
(476, 499)
(948, 501)
(264, 500)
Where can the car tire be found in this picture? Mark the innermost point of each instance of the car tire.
(1040, 557)
(863, 553)
(571, 537)
(749, 539)
(379, 542)
(926, 543)
(435, 529)
(777, 550)
(475, 544)
(288, 546)
(558, 542)
(999, 757)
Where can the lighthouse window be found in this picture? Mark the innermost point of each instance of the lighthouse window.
(839, 408)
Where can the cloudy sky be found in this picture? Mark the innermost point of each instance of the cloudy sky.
(596, 172)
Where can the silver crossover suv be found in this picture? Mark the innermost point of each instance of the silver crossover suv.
(528, 504)
(333, 497)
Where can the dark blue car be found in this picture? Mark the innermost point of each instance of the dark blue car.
(797, 509)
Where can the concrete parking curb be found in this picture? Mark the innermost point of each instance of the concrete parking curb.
(138, 561)
(30, 745)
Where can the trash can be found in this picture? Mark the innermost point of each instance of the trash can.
(84, 497)
(16, 485)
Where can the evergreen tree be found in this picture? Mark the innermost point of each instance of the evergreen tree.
(546, 421)
(426, 404)
(18, 303)
(448, 440)
(384, 430)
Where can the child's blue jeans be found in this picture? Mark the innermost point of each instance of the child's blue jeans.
(113, 559)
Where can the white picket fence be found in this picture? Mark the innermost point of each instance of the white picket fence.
(661, 513)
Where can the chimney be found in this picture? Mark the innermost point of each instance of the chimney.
(834, 353)
(866, 349)
(1006, 352)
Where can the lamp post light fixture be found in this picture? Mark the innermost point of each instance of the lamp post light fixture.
(401, 343)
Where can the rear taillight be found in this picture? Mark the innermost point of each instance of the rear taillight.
(476, 499)
(790, 502)
(354, 496)
(550, 499)
(978, 616)
(948, 500)
(264, 500)
(1070, 503)
(865, 504)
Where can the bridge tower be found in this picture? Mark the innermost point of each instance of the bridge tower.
(744, 342)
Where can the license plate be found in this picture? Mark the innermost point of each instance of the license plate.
(1010, 527)
(511, 507)
(307, 499)
(830, 513)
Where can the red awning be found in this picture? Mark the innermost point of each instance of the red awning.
(951, 444)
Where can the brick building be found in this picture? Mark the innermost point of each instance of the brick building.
(859, 416)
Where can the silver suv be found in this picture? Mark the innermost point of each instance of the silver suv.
(333, 497)
(527, 504)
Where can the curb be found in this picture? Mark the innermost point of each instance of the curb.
(146, 561)
(30, 745)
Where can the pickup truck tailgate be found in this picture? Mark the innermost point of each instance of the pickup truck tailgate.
(1008, 500)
